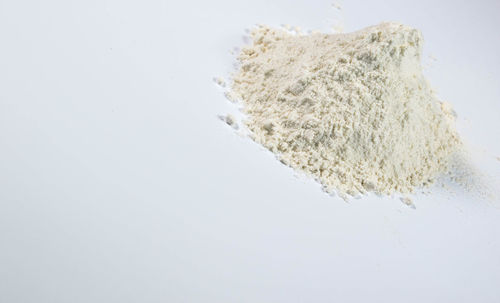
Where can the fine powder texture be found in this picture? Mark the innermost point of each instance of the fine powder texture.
(352, 110)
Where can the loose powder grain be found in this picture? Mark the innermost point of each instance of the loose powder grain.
(354, 110)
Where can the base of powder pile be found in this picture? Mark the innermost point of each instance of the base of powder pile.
(353, 111)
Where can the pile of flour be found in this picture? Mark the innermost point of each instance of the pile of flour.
(351, 110)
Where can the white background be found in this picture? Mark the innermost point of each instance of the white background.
(119, 184)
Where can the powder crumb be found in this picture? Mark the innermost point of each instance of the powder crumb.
(220, 81)
(353, 111)
(498, 158)
(409, 202)
(337, 5)
(229, 120)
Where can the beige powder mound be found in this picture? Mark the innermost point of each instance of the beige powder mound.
(351, 110)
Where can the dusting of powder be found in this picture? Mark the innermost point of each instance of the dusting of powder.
(351, 110)
(463, 172)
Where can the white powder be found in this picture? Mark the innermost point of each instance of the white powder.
(351, 110)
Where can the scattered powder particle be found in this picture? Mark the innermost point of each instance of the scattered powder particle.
(235, 50)
(230, 120)
(498, 158)
(337, 5)
(408, 202)
(220, 81)
(338, 21)
(353, 111)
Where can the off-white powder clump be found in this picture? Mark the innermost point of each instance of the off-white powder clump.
(351, 110)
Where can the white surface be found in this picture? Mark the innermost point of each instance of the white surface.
(119, 184)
